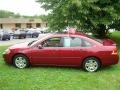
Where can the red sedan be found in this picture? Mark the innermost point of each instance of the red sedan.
(63, 50)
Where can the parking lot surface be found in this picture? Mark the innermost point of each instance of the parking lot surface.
(15, 41)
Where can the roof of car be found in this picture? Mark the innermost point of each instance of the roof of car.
(68, 34)
(58, 35)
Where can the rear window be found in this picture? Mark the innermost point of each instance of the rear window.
(96, 39)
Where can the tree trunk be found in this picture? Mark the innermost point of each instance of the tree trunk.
(102, 31)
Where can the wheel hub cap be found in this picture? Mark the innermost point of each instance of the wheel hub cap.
(20, 62)
(91, 65)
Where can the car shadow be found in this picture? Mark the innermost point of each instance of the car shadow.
(78, 69)
(63, 68)
(57, 67)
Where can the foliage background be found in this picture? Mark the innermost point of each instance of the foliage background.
(96, 16)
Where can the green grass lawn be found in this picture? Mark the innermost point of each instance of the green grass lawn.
(57, 78)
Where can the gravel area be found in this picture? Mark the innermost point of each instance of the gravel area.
(15, 41)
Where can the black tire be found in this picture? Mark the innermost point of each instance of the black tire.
(20, 61)
(2, 39)
(8, 38)
(32, 36)
(91, 64)
(24, 37)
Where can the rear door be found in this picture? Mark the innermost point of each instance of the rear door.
(74, 48)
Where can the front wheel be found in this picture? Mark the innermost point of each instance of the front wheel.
(20, 61)
(91, 64)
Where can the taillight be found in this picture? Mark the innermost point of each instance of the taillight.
(114, 52)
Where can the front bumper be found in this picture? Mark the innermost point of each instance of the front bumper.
(7, 58)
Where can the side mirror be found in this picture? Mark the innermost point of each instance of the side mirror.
(40, 46)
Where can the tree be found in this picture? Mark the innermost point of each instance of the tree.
(17, 15)
(5, 14)
(97, 16)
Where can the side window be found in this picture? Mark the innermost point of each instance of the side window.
(75, 42)
(72, 42)
(86, 43)
(52, 42)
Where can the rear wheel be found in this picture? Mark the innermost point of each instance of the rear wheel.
(91, 64)
(20, 61)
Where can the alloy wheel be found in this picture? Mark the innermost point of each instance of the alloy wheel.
(20, 61)
(91, 64)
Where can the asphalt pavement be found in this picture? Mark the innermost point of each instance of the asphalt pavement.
(15, 41)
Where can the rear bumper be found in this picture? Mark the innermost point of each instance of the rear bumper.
(110, 60)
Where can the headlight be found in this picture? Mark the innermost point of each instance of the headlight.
(6, 51)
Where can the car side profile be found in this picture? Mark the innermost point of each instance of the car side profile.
(4, 35)
(33, 33)
(72, 50)
(19, 34)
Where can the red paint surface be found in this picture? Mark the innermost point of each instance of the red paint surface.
(60, 56)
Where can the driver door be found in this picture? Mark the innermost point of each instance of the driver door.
(49, 53)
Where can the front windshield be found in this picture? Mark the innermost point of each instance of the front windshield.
(39, 39)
